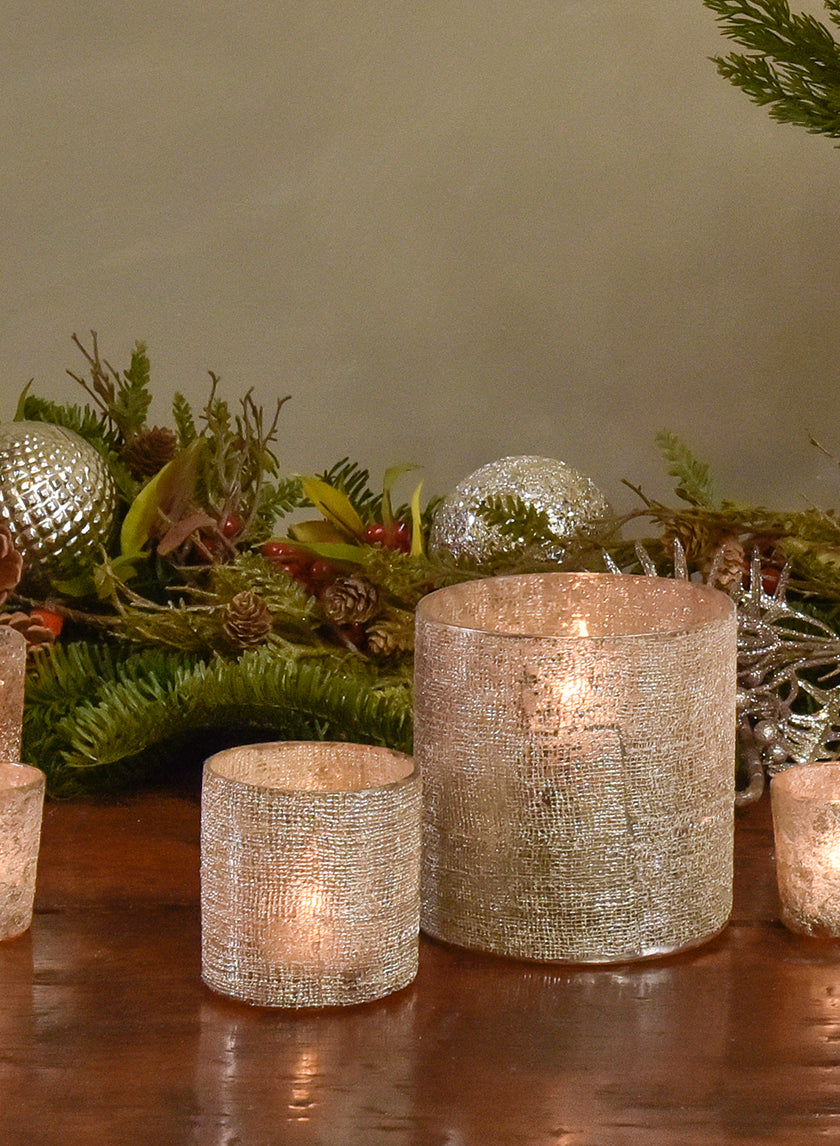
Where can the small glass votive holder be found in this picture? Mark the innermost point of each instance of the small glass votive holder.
(805, 799)
(21, 811)
(310, 873)
(12, 677)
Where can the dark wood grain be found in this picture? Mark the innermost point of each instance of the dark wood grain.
(109, 1036)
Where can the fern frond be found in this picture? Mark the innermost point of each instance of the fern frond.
(182, 416)
(133, 396)
(694, 483)
(275, 502)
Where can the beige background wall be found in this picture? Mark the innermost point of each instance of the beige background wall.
(452, 231)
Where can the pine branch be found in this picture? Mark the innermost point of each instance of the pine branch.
(794, 68)
(117, 735)
(518, 520)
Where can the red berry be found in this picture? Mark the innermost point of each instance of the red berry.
(401, 536)
(321, 571)
(376, 534)
(231, 525)
(281, 551)
(49, 620)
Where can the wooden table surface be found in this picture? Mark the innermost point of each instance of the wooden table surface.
(107, 1034)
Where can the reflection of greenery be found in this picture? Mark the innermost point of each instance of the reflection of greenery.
(793, 61)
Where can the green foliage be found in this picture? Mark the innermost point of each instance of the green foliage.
(275, 501)
(794, 63)
(182, 416)
(133, 397)
(354, 482)
(98, 718)
(519, 520)
(694, 483)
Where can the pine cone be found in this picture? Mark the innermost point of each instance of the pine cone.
(698, 540)
(148, 452)
(11, 563)
(350, 600)
(38, 636)
(247, 620)
(391, 635)
(731, 561)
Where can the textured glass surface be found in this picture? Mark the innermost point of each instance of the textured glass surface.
(56, 495)
(310, 869)
(806, 827)
(576, 736)
(12, 671)
(21, 806)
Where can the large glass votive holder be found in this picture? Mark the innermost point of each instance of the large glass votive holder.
(805, 801)
(21, 811)
(12, 679)
(576, 736)
(310, 871)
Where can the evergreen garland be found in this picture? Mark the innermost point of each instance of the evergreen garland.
(793, 61)
(98, 717)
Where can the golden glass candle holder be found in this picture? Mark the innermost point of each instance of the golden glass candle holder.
(310, 870)
(806, 826)
(12, 673)
(21, 809)
(576, 736)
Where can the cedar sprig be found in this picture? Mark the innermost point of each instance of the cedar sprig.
(794, 63)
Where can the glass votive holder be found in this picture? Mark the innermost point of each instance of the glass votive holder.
(21, 811)
(310, 871)
(12, 677)
(805, 799)
(576, 736)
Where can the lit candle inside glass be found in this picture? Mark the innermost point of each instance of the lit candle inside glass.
(298, 925)
(806, 825)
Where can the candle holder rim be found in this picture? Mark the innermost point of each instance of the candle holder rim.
(787, 782)
(7, 633)
(18, 776)
(312, 793)
(428, 608)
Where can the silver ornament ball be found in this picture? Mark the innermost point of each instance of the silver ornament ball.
(57, 497)
(570, 500)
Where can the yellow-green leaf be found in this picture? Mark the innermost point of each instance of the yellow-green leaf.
(337, 552)
(176, 480)
(391, 475)
(315, 532)
(334, 505)
(417, 548)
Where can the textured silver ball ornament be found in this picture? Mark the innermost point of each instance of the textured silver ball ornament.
(57, 496)
(570, 500)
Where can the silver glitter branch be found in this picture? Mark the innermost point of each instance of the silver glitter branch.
(786, 712)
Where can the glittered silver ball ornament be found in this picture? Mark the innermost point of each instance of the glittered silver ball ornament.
(57, 496)
(570, 500)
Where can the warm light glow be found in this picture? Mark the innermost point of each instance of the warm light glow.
(298, 928)
(582, 627)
